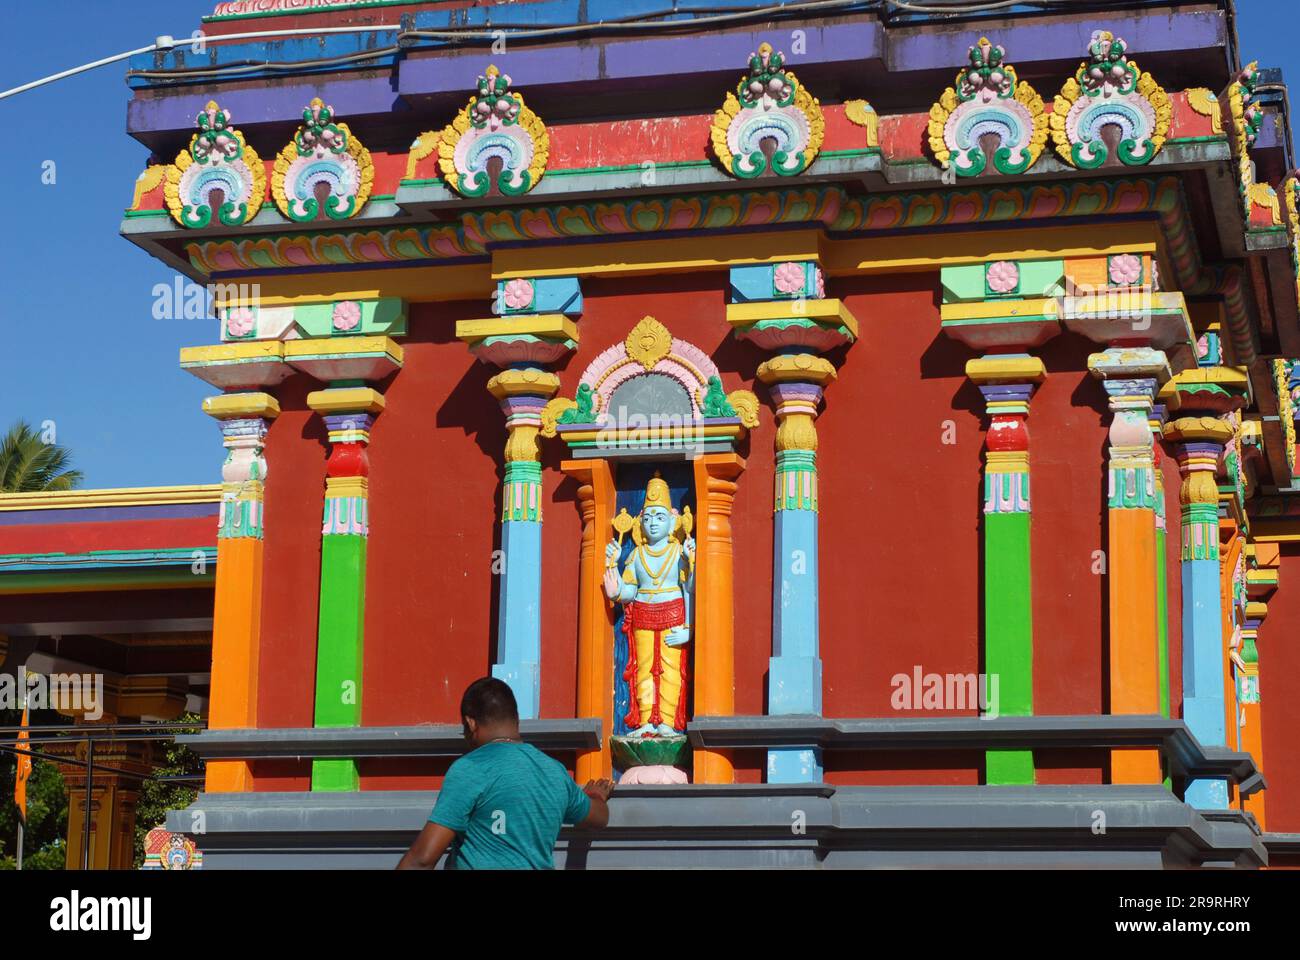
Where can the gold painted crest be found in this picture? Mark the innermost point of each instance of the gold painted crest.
(649, 342)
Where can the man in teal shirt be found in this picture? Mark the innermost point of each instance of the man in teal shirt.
(502, 804)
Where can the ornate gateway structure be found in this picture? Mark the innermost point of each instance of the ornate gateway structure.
(677, 367)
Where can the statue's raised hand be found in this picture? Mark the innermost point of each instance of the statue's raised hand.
(689, 546)
(611, 583)
(612, 550)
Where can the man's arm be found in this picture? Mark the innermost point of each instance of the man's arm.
(598, 792)
(428, 848)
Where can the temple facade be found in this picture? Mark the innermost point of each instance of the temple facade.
(678, 364)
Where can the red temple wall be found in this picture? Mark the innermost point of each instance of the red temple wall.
(900, 527)
(294, 503)
(1279, 697)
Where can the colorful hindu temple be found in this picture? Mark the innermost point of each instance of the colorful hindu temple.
(678, 363)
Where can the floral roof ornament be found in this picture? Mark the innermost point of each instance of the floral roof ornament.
(1110, 112)
(1247, 117)
(771, 125)
(988, 121)
(324, 172)
(218, 173)
(1245, 108)
(496, 144)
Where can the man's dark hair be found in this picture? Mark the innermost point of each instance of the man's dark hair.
(489, 701)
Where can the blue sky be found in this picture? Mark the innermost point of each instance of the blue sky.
(81, 347)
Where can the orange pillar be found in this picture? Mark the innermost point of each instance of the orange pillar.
(1130, 377)
(1261, 582)
(1252, 734)
(715, 670)
(236, 618)
(595, 628)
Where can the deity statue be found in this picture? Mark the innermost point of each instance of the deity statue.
(655, 589)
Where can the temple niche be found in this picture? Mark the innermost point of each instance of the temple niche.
(651, 418)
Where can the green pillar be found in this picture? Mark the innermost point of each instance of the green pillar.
(1007, 382)
(340, 634)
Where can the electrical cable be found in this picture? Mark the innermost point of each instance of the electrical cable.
(959, 8)
(167, 43)
(81, 69)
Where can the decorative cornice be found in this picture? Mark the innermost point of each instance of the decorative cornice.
(110, 497)
(829, 207)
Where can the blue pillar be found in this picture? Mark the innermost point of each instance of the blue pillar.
(783, 307)
(1204, 709)
(794, 682)
(519, 634)
(794, 685)
(532, 329)
(1200, 441)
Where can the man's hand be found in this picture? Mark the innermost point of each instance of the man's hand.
(598, 791)
(428, 848)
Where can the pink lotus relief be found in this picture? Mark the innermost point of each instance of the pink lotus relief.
(240, 322)
(821, 283)
(789, 278)
(1202, 347)
(1003, 276)
(655, 774)
(346, 315)
(518, 294)
(1125, 270)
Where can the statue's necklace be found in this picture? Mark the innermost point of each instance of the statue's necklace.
(657, 576)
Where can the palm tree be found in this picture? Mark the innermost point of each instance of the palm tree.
(28, 464)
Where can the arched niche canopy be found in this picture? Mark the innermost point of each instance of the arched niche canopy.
(651, 395)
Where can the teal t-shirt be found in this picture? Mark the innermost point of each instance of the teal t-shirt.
(506, 801)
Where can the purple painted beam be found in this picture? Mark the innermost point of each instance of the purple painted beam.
(1062, 38)
(634, 64)
(640, 58)
(1270, 133)
(350, 96)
